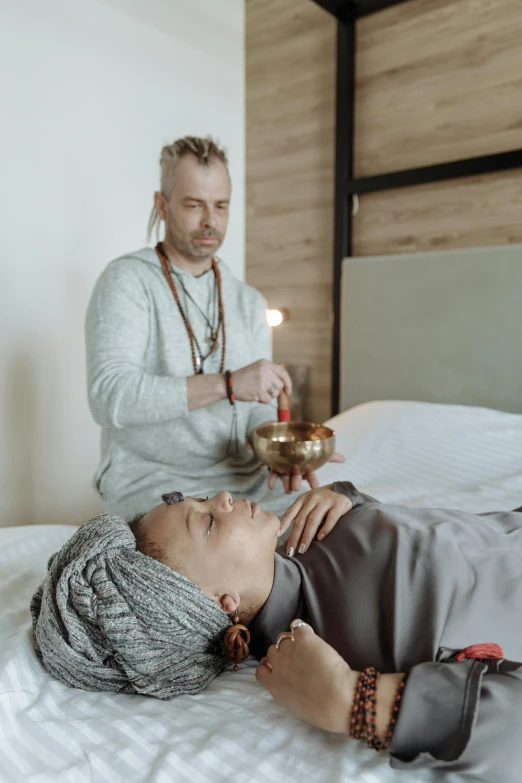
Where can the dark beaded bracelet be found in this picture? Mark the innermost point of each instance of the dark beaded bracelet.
(230, 387)
(364, 704)
(363, 720)
(395, 711)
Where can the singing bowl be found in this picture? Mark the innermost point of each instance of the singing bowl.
(284, 445)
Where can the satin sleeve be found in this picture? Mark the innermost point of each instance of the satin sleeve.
(462, 718)
(348, 489)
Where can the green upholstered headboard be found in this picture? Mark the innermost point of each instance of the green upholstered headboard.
(436, 327)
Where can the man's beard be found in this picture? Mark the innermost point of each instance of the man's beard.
(199, 251)
(189, 247)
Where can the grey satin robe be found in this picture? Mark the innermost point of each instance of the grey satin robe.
(404, 589)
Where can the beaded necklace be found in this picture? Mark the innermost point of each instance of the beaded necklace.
(197, 355)
(210, 323)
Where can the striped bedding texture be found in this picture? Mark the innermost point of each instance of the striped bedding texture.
(410, 453)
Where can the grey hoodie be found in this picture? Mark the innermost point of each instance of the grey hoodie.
(138, 358)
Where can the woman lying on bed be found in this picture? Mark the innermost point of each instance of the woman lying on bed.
(143, 608)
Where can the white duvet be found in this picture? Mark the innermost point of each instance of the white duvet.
(411, 453)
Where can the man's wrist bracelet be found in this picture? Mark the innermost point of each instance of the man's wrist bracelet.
(230, 387)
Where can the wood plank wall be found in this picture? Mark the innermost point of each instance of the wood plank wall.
(437, 80)
(290, 105)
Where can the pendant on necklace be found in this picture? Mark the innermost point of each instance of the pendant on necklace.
(212, 337)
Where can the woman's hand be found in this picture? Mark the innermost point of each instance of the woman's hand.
(292, 481)
(310, 679)
(308, 512)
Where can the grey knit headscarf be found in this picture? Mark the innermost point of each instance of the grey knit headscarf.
(109, 618)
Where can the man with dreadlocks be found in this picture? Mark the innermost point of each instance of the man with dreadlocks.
(163, 327)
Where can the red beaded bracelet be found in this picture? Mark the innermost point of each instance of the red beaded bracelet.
(230, 387)
(364, 711)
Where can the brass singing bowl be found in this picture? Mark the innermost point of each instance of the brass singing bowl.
(284, 445)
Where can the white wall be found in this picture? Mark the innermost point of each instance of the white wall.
(90, 91)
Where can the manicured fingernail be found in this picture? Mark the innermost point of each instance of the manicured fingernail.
(290, 551)
(320, 536)
(302, 549)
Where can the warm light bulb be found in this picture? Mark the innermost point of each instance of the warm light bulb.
(274, 317)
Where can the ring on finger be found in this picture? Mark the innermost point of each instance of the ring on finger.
(282, 637)
(273, 390)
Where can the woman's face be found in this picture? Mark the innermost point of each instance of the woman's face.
(224, 546)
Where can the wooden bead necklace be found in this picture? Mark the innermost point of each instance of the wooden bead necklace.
(197, 355)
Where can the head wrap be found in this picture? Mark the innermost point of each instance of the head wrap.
(109, 618)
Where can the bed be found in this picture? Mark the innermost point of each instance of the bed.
(436, 451)
(409, 452)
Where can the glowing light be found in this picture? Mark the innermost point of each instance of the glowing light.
(274, 317)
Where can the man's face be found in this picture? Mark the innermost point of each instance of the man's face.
(224, 546)
(196, 213)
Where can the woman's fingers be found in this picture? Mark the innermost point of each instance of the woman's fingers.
(290, 514)
(336, 457)
(299, 628)
(292, 544)
(315, 508)
(283, 638)
(264, 674)
(330, 522)
(311, 526)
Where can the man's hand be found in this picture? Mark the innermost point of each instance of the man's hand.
(251, 383)
(292, 481)
(310, 679)
(308, 512)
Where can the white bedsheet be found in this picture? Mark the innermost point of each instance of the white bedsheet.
(411, 453)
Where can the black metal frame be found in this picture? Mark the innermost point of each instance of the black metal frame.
(347, 12)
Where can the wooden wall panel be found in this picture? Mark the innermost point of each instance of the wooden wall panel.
(470, 212)
(290, 105)
(437, 80)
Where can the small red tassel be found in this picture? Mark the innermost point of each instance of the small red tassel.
(486, 650)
